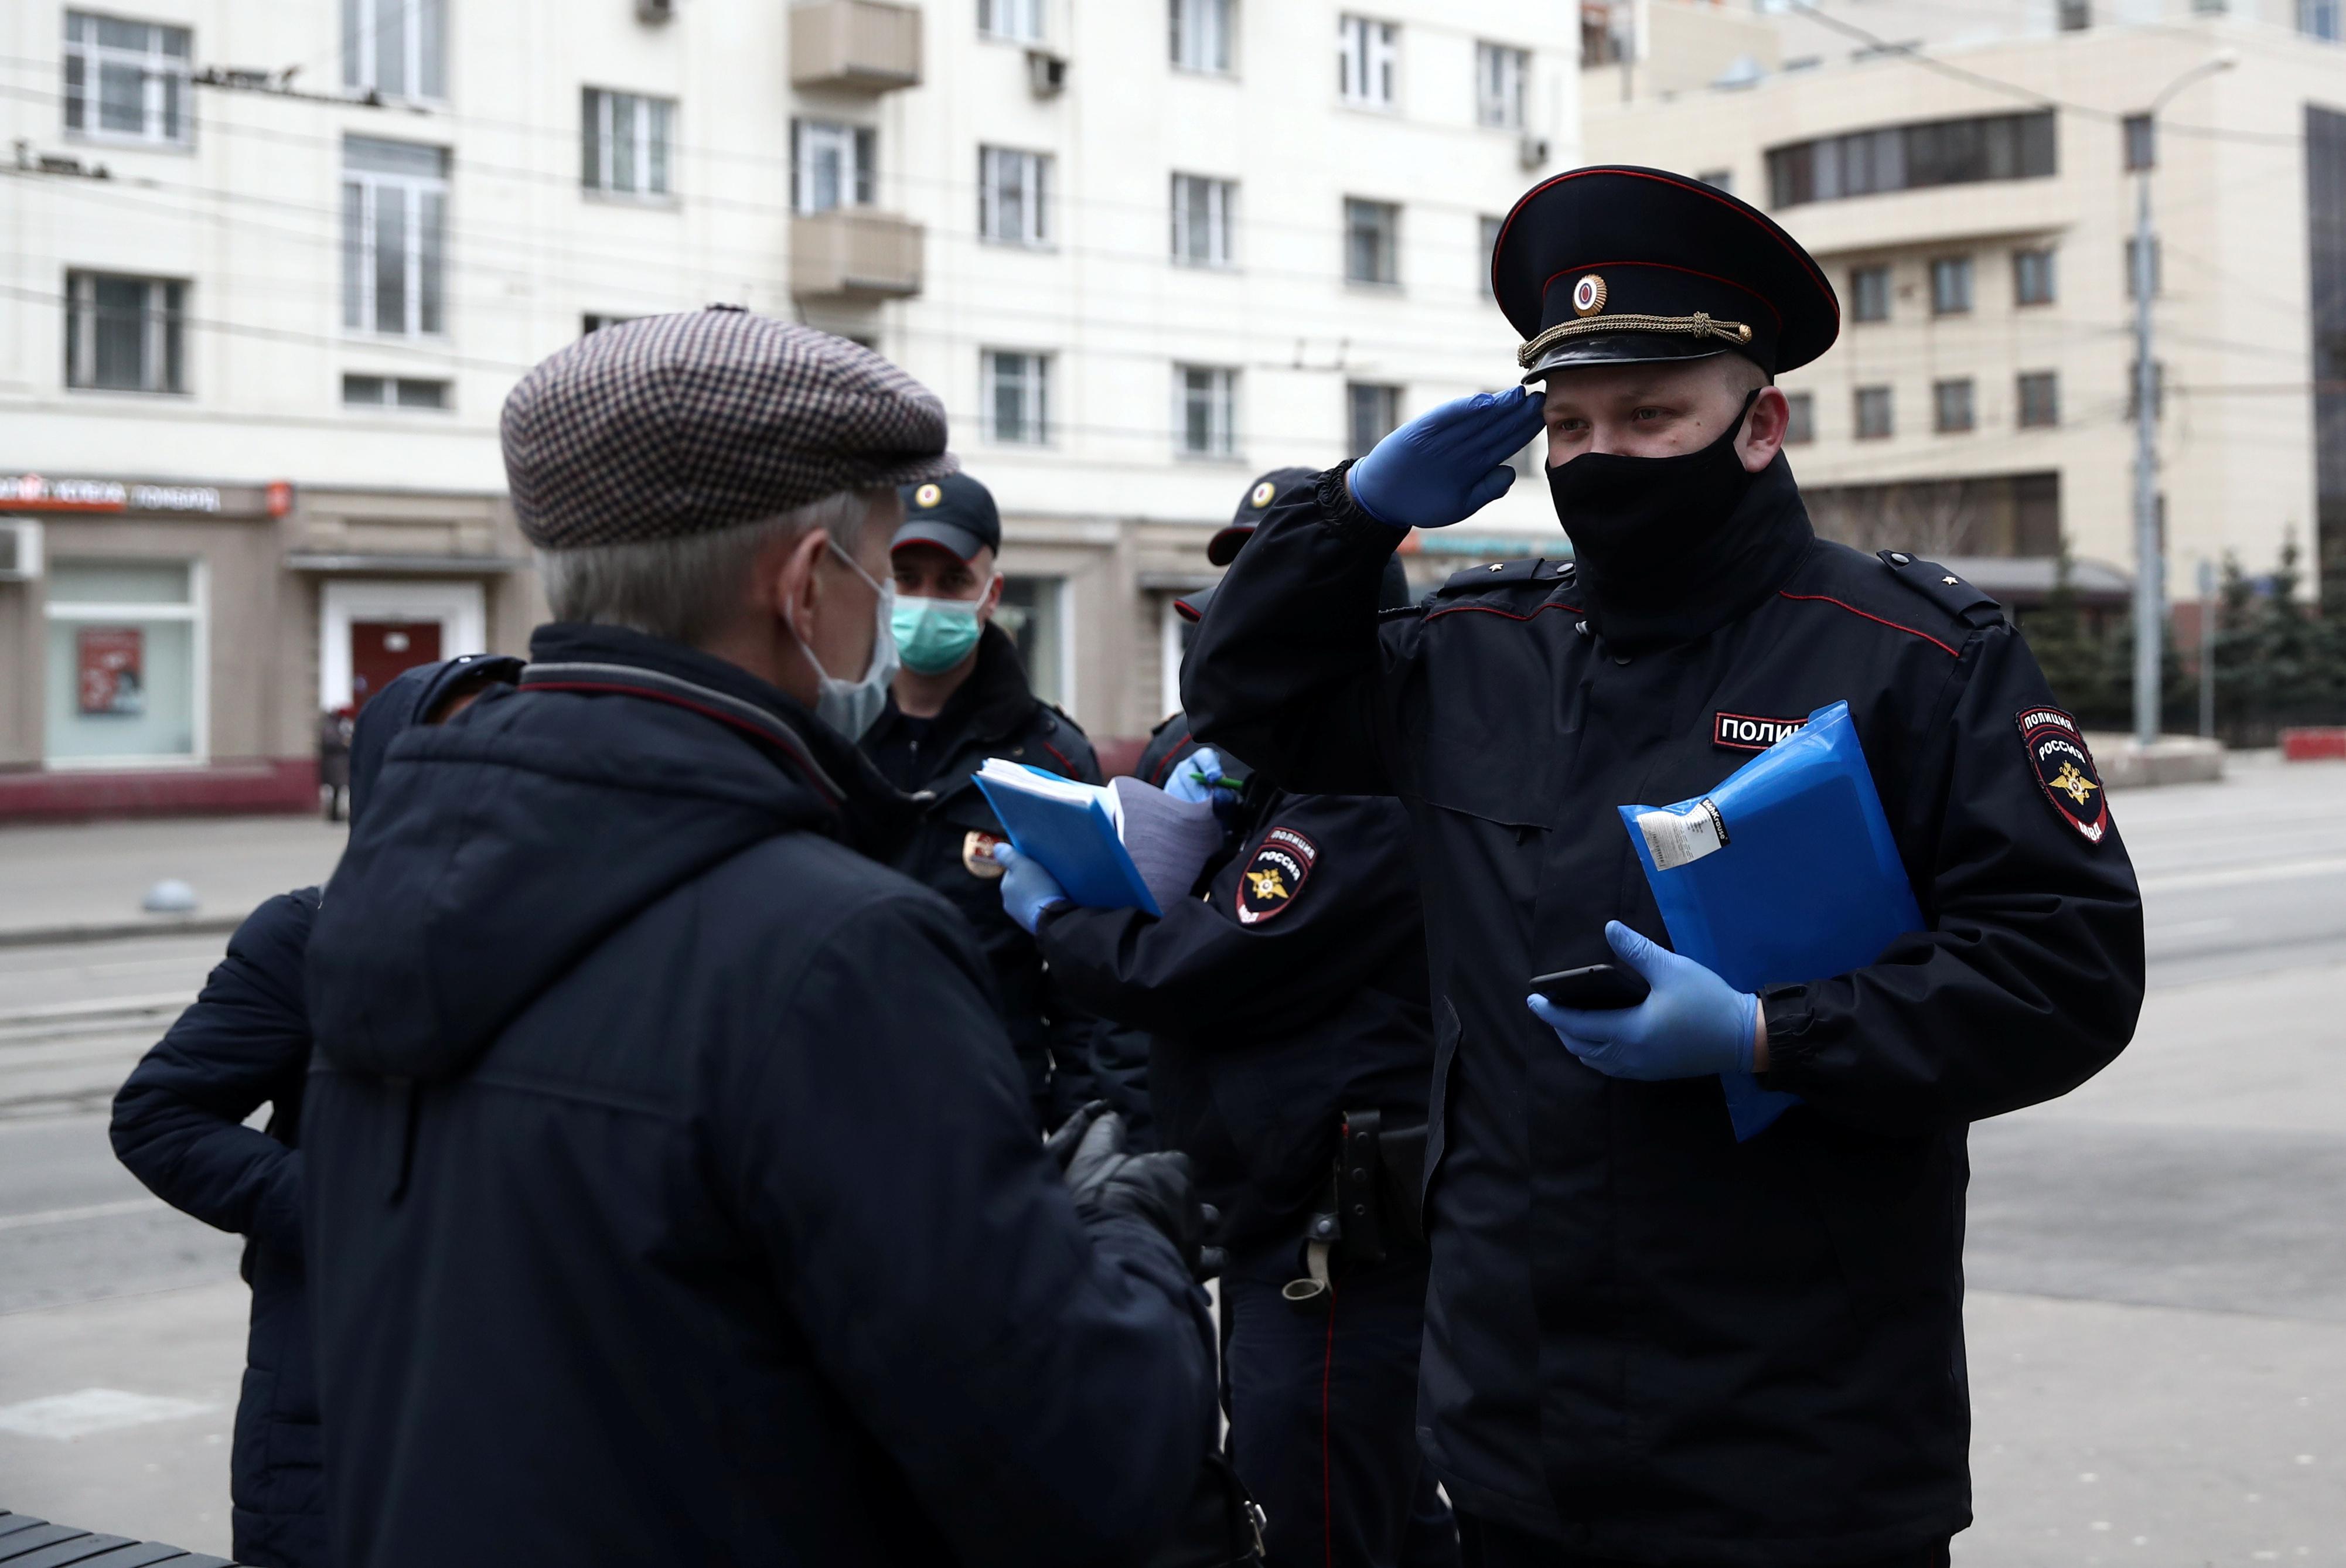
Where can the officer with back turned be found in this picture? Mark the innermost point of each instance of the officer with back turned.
(1646, 1341)
(1291, 1052)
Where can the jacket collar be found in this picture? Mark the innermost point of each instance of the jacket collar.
(1768, 534)
(990, 706)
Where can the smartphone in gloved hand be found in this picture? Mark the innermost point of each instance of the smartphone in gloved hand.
(1594, 985)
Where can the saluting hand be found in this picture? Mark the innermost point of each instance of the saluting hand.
(1694, 1023)
(1447, 464)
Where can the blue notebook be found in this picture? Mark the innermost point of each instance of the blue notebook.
(1785, 874)
(1072, 829)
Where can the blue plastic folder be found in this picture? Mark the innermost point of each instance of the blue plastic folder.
(1784, 873)
(1068, 826)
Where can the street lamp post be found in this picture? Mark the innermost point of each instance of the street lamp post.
(2150, 563)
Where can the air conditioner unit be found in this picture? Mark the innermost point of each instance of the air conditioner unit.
(20, 551)
(1045, 73)
(655, 12)
(1531, 151)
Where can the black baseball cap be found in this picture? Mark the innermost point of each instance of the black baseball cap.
(955, 513)
(1223, 547)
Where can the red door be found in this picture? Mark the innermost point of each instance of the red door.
(380, 649)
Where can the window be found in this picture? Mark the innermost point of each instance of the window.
(1500, 73)
(832, 164)
(1372, 241)
(1869, 294)
(2076, 15)
(1018, 397)
(396, 47)
(126, 80)
(1204, 211)
(1201, 35)
(1718, 179)
(624, 143)
(2134, 259)
(1873, 414)
(394, 391)
(1019, 21)
(2320, 19)
(1210, 398)
(395, 236)
(125, 662)
(1951, 406)
(1371, 413)
(1013, 195)
(595, 321)
(2040, 400)
(1951, 285)
(1910, 157)
(1491, 227)
(1033, 612)
(2157, 389)
(126, 334)
(2032, 277)
(2140, 149)
(1367, 62)
(1801, 419)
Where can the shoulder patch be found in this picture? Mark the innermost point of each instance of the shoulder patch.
(1505, 574)
(1943, 588)
(1275, 873)
(2065, 771)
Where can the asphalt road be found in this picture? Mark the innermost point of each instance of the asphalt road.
(2158, 1262)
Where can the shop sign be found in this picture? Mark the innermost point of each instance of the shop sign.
(32, 492)
(112, 677)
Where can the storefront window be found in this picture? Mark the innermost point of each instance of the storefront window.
(1033, 612)
(124, 681)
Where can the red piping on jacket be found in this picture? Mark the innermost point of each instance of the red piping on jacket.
(1852, 610)
(1489, 610)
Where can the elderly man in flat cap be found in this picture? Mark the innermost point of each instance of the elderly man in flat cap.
(673, 1190)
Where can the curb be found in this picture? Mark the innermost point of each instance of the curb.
(117, 931)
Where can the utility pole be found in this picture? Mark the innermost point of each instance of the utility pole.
(2207, 649)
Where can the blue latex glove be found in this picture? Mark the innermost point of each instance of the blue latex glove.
(1027, 889)
(1198, 776)
(1448, 463)
(1693, 1025)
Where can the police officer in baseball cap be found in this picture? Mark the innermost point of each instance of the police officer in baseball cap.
(1646, 1340)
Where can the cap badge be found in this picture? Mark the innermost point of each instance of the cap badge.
(1588, 295)
(1263, 493)
(928, 496)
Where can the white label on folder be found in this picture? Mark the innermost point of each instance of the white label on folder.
(1674, 839)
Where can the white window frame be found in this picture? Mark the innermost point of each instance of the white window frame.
(857, 149)
(1013, 21)
(1202, 35)
(1954, 268)
(359, 292)
(1392, 389)
(422, 27)
(999, 169)
(461, 609)
(159, 70)
(1169, 631)
(195, 610)
(1388, 253)
(1216, 387)
(651, 135)
(1034, 395)
(1368, 63)
(1220, 197)
(157, 323)
(1502, 86)
(1859, 395)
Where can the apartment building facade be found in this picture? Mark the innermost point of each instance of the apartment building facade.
(272, 269)
(1971, 191)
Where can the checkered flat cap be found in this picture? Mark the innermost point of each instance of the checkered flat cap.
(678, 424)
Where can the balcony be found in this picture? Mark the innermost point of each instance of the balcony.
(855, 255)
(855, 46)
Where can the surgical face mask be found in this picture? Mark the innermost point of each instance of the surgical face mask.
(853, 707)
(1643, 528)
(934, 634)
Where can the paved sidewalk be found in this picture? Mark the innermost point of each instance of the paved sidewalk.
(89, 877)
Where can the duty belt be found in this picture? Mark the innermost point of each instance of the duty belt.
(1370, 1206)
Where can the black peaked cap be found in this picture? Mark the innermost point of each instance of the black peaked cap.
(955, 512)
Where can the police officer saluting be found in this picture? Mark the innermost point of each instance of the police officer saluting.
(1291, 1054)
(1645, 1341)
(960, 697)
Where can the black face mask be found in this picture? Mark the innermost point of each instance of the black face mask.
(1645, 529)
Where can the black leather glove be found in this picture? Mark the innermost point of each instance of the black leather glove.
(1061, 1144)
(1105, 1179)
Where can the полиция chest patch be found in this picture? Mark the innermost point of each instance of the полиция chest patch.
(1749, 732)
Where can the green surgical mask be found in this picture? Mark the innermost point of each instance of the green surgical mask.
(934, 634)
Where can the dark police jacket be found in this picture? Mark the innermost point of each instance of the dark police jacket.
(995, 713)
(179, 1126)
(1644, 1339)
(673, 1193)
(1293, 991)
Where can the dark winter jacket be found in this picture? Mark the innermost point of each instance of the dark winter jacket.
(673, 1190)
(994, 714)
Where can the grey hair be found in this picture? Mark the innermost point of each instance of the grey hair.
(688, 589)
